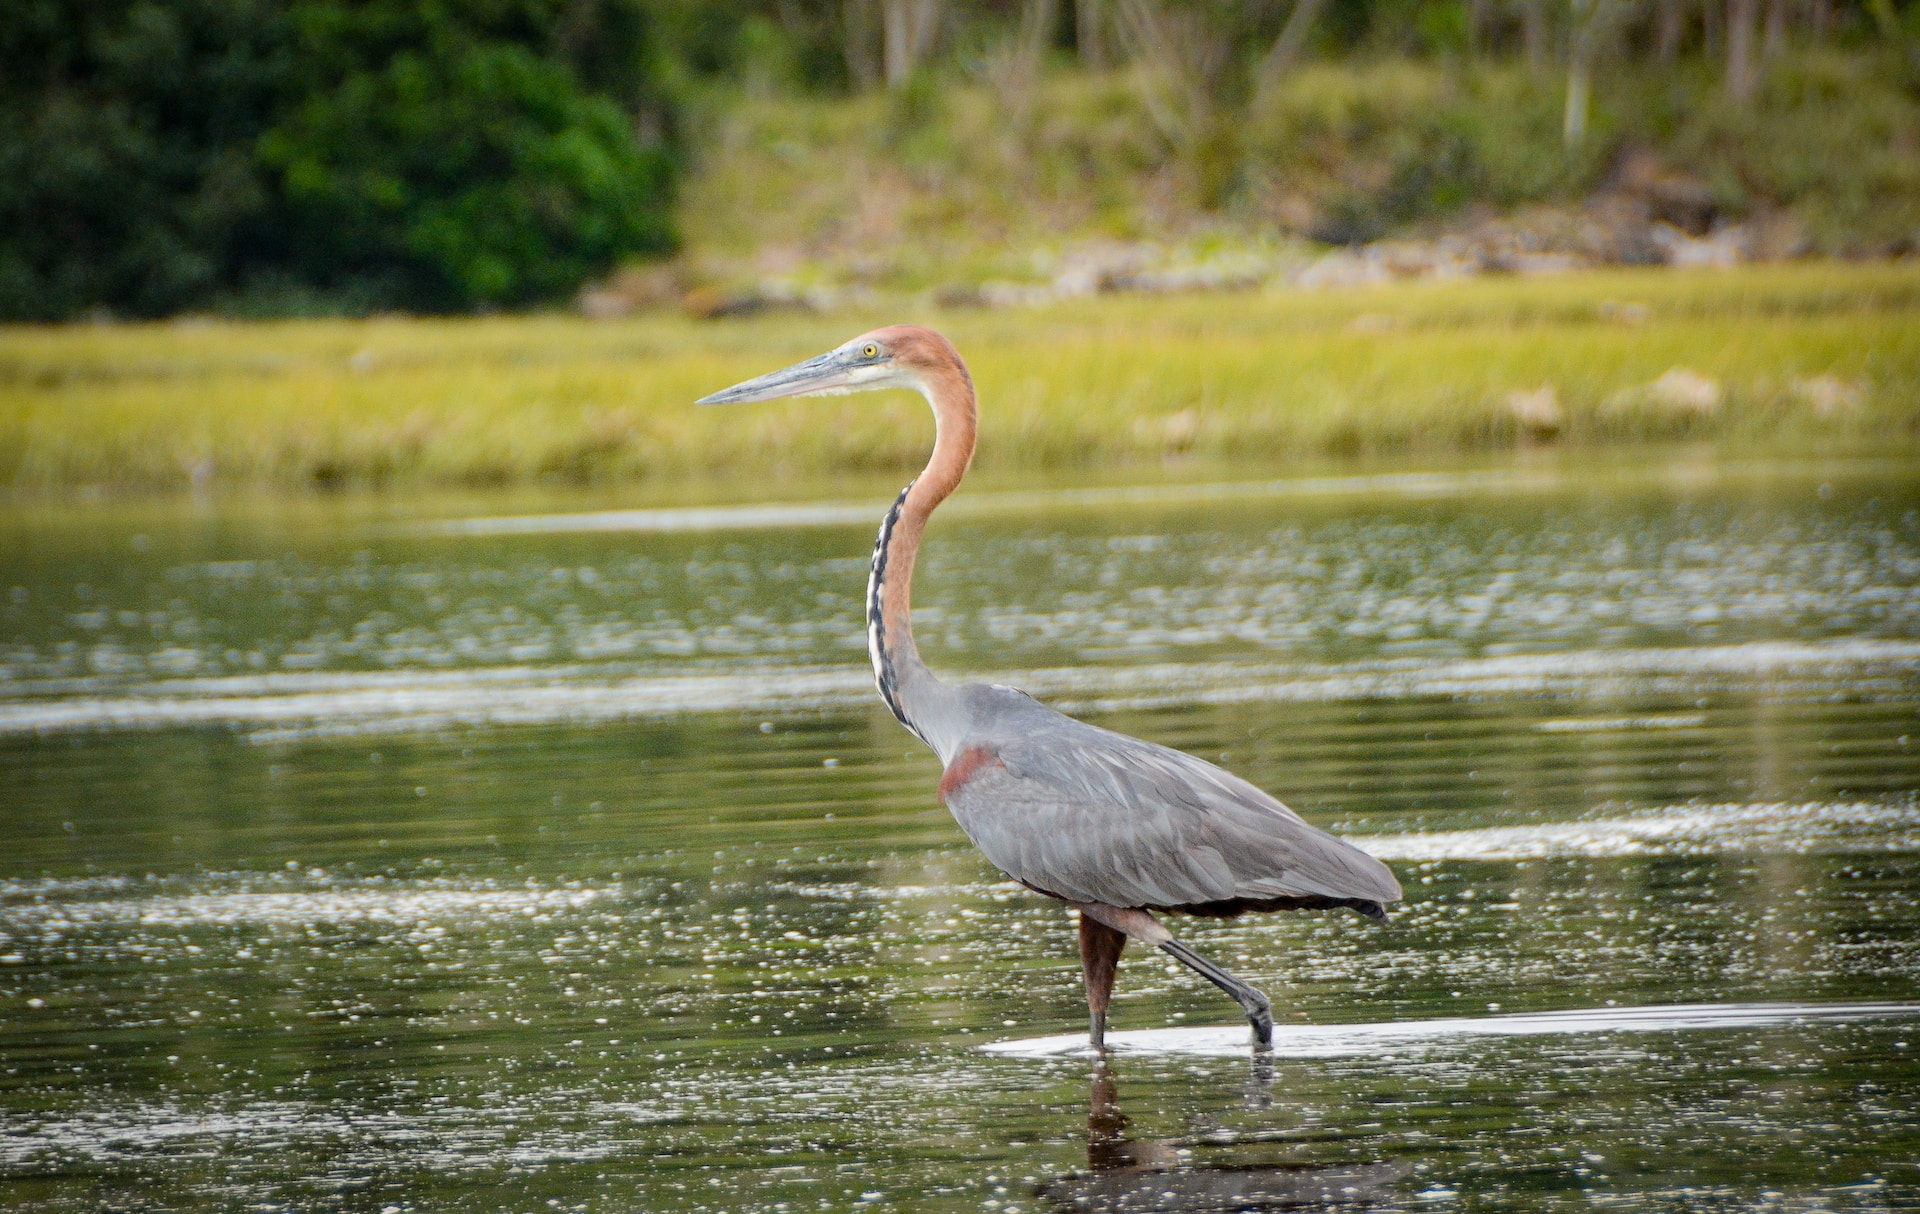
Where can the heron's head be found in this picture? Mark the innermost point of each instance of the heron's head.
(899, 356)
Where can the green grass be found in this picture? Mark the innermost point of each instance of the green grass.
(963, 178)
(1109, 383)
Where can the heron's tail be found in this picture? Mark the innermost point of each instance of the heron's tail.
(1373, 910)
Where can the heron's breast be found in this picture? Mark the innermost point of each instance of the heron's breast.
(965, 766)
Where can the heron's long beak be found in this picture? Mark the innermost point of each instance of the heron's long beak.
(823, 374)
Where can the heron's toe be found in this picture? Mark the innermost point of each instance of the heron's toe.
(1260, 1016)
(1262, 1028)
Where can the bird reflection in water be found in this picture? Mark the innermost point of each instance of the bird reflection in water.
(1126, 1174)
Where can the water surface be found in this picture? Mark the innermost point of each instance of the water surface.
(415, 860)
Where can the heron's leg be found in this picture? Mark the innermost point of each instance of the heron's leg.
(1100, 947)
(1144, 927)
(1256, 1005)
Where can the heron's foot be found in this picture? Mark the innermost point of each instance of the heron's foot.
(1260, 1016)
(1097, 1029)
(1256, 1005)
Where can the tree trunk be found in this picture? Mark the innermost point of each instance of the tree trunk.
(1740, 73)
(907, 32)
(1573, 123)
(1533, 31)
(1038, 19)
(1090, 33)
(1670, 28)
(863, 67)
(1820, 18)
(1580, 48)
(1292, 40)
(1776, 39)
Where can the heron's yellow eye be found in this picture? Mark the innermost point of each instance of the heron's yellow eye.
(869, 351)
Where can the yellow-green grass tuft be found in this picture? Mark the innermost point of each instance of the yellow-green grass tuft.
(1796, 358)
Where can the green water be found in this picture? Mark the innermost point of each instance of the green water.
(354, 861)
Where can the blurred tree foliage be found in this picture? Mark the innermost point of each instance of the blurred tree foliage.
(127, 171)
(303, 155)
(294, 156)
(442, 156)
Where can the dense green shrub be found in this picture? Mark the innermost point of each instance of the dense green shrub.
(306, 155)
(127, 176)
(299, 156)
(454, 167)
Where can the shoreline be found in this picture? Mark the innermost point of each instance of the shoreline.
(1802, 358)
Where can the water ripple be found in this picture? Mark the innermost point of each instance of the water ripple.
(1775, 828)
(280, 707)
(351, 903)
(1362, 1040)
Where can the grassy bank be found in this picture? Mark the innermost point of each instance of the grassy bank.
(966, 177)
(1799, 358)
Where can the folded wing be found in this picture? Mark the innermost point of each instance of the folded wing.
(1089, 815)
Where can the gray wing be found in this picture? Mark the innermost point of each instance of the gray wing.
(1093, 816)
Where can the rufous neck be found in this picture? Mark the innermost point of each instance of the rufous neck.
(904, 680)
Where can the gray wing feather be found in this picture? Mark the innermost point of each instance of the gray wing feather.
(1095, 816)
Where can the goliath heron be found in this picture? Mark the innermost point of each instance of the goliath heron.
(1111, 825)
